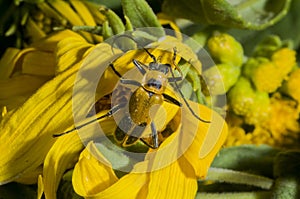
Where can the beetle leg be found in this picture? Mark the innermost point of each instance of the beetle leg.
(130, 81)
(154, 143)
(171, 100)
(154, 135)
(140, 66)
(124, 81)
(108, 114)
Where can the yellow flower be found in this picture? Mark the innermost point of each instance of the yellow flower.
(268, 74)
(267, 78)
(281, 128)
(283, 121)
(27, 131)
(96, 179)
(291, 86)
(285, 60)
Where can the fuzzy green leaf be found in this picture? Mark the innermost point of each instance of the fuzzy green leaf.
(141, 15)
(237, 177)
(248, 14)
(240, 195)
(252, 158)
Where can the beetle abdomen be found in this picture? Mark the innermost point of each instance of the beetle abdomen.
(140, 104)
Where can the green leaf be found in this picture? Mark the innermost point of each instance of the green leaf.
(115, 22)
(141, 15)
(287, 29)
(284, 188)
(241, 195)
(237, 177)
(286, 171)
(252, 158)
(247, 14)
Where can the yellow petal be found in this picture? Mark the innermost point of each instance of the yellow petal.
(17, 61)
(206, 138)
(20, 85)
(130, 186)
(178, 180)
(39, 63)
(15, 102)
(27, 134)
(90, 174)
(64, 154)
(67, 48)
(65, 9)
(40, 189)
(6, 62)
(31, 177)
(171, 176)
(83, 12)
(167, 20)
(49, 42)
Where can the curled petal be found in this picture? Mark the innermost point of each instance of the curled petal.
(67, 48)
(90, 175)
(130, 186)
(62, 156)
(207, 140)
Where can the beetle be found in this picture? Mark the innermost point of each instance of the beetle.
(150, 91)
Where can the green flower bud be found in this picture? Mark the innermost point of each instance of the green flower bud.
(225, 49)
(221, 77)
(268, 46)
(245, 101)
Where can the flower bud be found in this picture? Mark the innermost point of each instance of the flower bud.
(225, 49)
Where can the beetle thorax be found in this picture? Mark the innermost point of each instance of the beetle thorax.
(155, 81)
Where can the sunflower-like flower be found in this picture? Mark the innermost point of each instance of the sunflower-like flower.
(28, 129)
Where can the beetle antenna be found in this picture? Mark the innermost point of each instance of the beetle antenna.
(151, 55)
(174, 61)
(140, 47)
(120, 36)
(185, 101)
